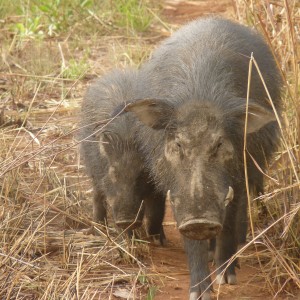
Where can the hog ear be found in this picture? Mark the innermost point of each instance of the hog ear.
(258, 116)
(154, 113)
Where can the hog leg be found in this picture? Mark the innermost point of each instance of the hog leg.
(99, 207)
(242, 221)
(155, 212)
(226, 245)
(197, 255)
(211, 249)
(99, 210)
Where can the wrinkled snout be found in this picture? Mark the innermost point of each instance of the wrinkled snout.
(200, 228)
(127, 214)
(200, 220)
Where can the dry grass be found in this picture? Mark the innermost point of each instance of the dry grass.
(276, 214)
(45, 210)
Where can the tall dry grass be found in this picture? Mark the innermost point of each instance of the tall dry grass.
(45, 210)
(275, 215)
(44, 251)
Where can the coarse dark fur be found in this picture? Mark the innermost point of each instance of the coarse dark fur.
(192, 111)
(111, 157)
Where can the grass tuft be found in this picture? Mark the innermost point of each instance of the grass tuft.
(133, 14)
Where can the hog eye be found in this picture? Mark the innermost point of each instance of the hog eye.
(215, 148)
(219, 145)
(179, 149)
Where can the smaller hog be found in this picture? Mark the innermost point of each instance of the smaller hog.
(112, 159)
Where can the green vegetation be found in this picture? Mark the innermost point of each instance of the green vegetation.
(133, 14)
(151, 292)
(75, 68)
(48, 18)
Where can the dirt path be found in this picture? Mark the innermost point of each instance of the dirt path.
(180, 12)
(170, 260)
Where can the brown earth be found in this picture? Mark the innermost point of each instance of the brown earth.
(170, 261)
(180, 12)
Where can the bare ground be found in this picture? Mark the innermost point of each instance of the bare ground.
(170, 262)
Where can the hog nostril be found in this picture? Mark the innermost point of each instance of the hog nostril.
(200, 229)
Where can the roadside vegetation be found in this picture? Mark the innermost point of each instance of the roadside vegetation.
(50, 50)
(275, 215)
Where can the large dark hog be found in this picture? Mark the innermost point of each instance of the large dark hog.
(112, 159)
(192, 112)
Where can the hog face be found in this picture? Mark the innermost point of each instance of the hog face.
(198, 158)
(123, 180)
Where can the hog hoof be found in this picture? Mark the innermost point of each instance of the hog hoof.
(157, 240)
(206, 296)
(232, 279)
(196, 296)
(220, 279)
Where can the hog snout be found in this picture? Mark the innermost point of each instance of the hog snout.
(198, 222)
(200, 229)
(127, 214)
